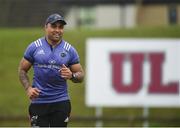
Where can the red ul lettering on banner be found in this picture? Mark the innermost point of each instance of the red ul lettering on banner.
(156, 61)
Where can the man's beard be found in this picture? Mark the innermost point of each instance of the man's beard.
(55, 38)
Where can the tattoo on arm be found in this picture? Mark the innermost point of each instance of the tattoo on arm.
(23, 77)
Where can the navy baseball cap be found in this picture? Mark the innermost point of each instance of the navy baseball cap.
(54, 18)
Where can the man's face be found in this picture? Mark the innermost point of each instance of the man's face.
(54, 31)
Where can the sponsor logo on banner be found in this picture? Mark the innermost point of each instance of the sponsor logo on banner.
(156, 61)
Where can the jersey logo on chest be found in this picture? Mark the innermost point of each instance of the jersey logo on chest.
(52, 61)
(41, 52)
(63, 54)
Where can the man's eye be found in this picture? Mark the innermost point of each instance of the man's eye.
(60, 27)
(53, 26)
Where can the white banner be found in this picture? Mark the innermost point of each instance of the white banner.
(133, 72)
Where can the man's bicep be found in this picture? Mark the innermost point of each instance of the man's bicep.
(25, 65)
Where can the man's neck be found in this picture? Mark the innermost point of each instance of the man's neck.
(53, 44)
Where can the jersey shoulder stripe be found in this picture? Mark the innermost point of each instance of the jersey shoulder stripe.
(38, 43)
(67, 46)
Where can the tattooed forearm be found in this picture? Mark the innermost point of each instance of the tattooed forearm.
(23, 77)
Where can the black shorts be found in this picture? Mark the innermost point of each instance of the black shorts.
(50, 114)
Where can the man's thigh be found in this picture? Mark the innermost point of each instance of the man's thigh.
(38, 115)
(60, 115)
(58, 119)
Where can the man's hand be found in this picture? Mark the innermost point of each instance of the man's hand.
(32, 92)
(65, 72)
